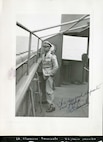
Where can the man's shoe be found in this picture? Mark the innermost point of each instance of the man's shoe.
(51, 109)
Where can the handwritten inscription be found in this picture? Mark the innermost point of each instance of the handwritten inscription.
(72, 104)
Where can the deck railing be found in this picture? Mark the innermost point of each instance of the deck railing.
(29, 47)
(24, 82)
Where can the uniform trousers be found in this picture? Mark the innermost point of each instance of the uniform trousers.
(49, 90)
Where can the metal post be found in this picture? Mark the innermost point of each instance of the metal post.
(85, 63)
(29, 50)
(41, 49)
(32, 100)
(88, 46)
(88, 60)
(37, 50)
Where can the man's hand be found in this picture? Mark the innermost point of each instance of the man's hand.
(52, 75)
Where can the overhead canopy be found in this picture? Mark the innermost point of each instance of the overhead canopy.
(80, 29)
(48, 25)
(73, 25)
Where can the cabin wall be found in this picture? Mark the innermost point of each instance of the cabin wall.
(73, 72)
(76, 72)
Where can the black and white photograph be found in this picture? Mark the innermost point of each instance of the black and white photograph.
(52, 65)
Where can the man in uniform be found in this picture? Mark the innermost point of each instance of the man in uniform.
(49, 68)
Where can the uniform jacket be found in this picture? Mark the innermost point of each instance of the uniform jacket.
(49, 64)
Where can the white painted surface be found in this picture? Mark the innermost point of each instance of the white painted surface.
(74, 47)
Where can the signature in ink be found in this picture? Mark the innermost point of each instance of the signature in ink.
(72, 104)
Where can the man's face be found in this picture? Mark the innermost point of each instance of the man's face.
(46, 47)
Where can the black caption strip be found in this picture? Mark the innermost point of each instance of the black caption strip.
(51, 138)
